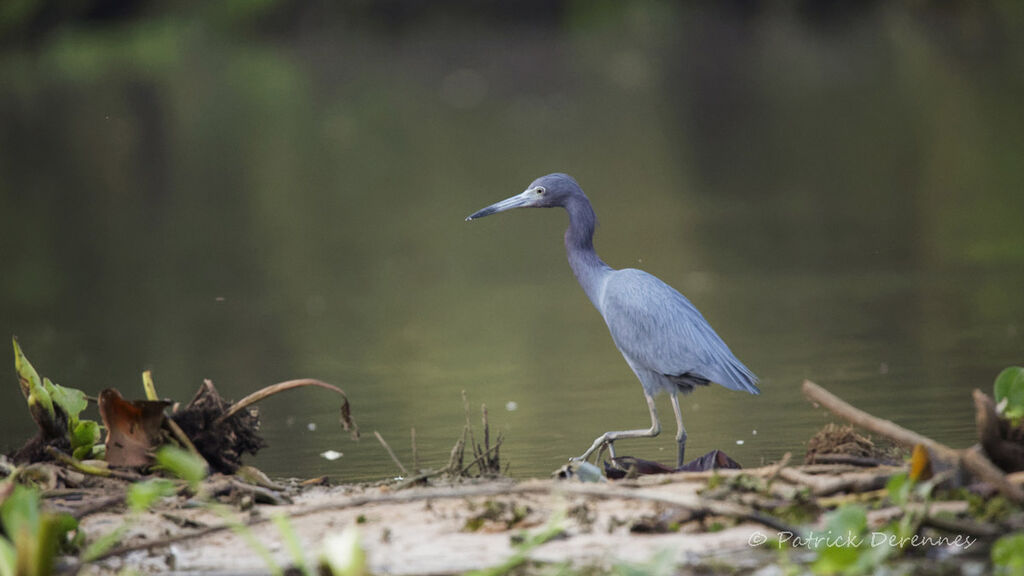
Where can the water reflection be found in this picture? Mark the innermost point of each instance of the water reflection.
(840, 198)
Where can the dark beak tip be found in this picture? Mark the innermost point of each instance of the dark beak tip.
(480, 214)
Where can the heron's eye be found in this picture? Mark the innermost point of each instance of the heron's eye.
(539, 190)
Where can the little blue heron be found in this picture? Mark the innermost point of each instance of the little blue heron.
(664, 339)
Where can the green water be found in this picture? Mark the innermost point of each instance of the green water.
(841, 197)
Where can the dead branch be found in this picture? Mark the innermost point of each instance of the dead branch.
(960, 526)
(480, 460)
(846, 459)
(777, 468)
(263, 393)
(827, 485)
(97, 505)
(973, 459)
(886, 428)
(415, 455)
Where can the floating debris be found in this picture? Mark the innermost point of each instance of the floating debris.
(331, 455)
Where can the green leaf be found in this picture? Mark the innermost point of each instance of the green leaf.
(847, 522)
(34, 536)
(899, 488)
(8, 558)
(20, 512)
(84, 438)
(142, 495)
(32, 387)
(842, 546)
(63, 524)
(182, 464)
(836, 560)
(104, 543)
(1009, 386)
(1008, 554)
(71, 400)
(52, 531)
(292, 542)
(662, 563)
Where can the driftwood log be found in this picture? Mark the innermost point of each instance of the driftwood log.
(973, 459)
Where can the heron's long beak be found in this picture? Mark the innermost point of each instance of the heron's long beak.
(517, 201)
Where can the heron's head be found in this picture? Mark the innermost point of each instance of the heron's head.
(544, 192)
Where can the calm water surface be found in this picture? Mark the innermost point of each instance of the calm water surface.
(842, 206)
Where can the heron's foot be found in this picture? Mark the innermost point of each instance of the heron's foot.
(598, 446)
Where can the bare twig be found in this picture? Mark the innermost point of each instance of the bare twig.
(91, 470)
(97, 505)
(775, 470)
(183, 438)
(480, 460)
(150, 388)
(455, 459)
(415, 455)
(405, 473)
(468, 435)
(487, 428)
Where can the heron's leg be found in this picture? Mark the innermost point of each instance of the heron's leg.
(681, 433)
(610, 437)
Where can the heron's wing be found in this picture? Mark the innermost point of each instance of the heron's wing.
(657, 328)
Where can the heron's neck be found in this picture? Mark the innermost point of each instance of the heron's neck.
(589, 269)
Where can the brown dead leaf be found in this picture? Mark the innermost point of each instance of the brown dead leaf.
(133, 428)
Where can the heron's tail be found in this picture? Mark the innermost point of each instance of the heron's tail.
(736, 376)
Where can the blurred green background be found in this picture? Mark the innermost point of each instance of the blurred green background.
(258, 191)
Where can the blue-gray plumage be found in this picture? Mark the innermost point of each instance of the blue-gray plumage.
(664, 339)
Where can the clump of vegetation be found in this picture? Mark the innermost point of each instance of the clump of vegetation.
(842, 444)
(142, 445)
(56, 411)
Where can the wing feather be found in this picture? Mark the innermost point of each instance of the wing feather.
(657, 328)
